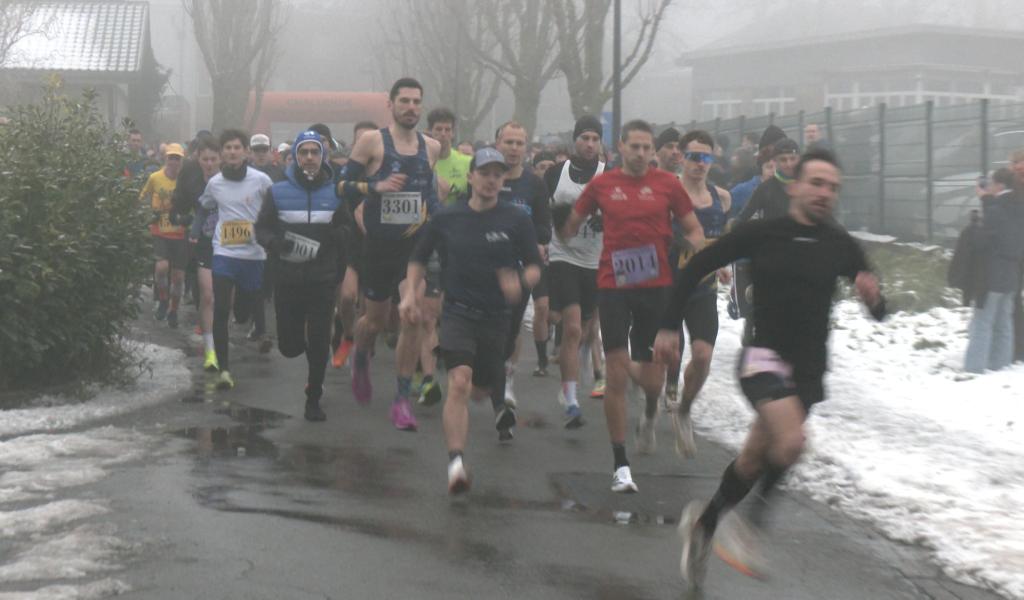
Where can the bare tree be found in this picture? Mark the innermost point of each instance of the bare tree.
(238, 39)
(17, 21)
(421, 41)
(520, 49)
(581, 30)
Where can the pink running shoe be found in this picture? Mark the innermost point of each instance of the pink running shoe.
(401, 415)
(362, 388)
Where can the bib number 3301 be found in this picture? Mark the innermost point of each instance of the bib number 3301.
(635, 265)
(400, 208)
(235, 233)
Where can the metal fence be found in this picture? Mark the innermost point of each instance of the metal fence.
(908, 172)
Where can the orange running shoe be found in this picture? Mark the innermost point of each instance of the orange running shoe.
(341, 354)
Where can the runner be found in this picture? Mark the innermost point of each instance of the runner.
(573, 262)
(667, 151)
(304, 226)
(348, 291)
(169, 245)
(191, 183)
(398, 163)
(262, 159)
(522, 189)
(237, 193)
(711, 205)
(484, 244)
(770, 199)
(452, 166)
(795, 260)
(638, 204)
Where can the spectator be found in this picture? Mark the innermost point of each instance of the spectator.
(262, 159)
(991, 335)
(749, 141)
(720, 172)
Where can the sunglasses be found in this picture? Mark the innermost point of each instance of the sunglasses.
(703, 157)
(308, 152)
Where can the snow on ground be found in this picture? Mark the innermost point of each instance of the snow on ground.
(906, 440)
(51, 524)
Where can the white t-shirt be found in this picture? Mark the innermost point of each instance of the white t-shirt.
(583, 250)
(238, 204)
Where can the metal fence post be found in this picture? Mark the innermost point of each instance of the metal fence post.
(984, 136)
(881, 167)
(771, 118)
(828, 127)
(718, 127)
(929, 167)
(742, 124)
(800, 128)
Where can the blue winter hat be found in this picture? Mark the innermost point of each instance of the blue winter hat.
(307, 137)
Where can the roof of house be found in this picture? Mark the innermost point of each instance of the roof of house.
(833, 22)
(92, 36)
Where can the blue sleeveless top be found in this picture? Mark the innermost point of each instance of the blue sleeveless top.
(712, 218)
(401, 215)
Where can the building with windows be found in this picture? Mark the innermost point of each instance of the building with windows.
(783, 67)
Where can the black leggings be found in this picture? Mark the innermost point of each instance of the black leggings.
(304, 314)
(223, 287)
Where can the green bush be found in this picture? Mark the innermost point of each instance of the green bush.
(73, 244)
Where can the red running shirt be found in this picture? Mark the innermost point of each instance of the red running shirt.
(637, 214)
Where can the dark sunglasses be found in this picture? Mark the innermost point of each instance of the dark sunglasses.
(703, 157)
(308, 152)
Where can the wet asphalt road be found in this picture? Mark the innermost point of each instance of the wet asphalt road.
(242, 498)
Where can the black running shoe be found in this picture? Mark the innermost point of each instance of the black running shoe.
(172, 319)
(161, 311)
(504, 422)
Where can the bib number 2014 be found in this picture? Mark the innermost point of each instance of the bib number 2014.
(633, 266)
(400, 208)
(235, 233)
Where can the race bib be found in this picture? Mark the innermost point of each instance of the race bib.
(235, 233)
(164, 225)
(303, 249)
(765, 360)
(400, 208)
(635, 265)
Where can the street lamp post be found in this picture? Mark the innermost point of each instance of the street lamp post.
(616, 71)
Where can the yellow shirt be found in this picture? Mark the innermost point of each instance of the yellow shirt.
(159, 189)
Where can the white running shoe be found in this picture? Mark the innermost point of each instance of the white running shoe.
(683, 426)
(737, 543)
(622, 481)
(646, 443)
(510, 396)
(458, 478)
(693, 563)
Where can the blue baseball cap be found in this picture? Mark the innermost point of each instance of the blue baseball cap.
(487, 156)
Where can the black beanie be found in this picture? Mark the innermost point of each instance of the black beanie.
(587, 123)
(669, 135)
(785, 146)
(770, 136)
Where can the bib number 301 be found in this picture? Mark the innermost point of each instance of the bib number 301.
(633, 266)
(400, 208)
(303, 249)
(235, 233)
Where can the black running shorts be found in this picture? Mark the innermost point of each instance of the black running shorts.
(701, 317)
(477, 341)
(570, 284)
(541, 289)
(633, 316)
(766, 376)
(384, 266)
(203, 251)
(174, 251)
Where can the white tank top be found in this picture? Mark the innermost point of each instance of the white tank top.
(584, 250)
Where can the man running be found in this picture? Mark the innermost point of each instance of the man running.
(526, 191)
(638, 204)
(237, 193)
(169, 245)
(452, 166)
(770, 199)
(711, 205)
(795, 262)
(572, 271)
(485, 243)
(667, 151)
(304, 227)
(396, 163)
(262, 159)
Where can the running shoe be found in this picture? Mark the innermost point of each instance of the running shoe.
(693, 564)
(504, 421)
(622, 481)
(540, 372)
(737, 544)
(671, 397)
(430, 393)
(161, 311)
(598, 392)
(646, 443)
(458, 478)
(341, 354)
(683, 427)
(172, 319)
(573, 417)
(510, 396)
(313, 411)
(225, 382)
(401, 415)
(362, 388)
(210, 363)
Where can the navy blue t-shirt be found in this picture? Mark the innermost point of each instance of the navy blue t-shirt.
(473, 245)
(529, 193)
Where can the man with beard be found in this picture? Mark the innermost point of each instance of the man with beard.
(394, 169)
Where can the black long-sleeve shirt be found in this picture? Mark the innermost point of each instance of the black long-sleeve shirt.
(529, 193)
(794, 271)
(770, 199)
(473, 245)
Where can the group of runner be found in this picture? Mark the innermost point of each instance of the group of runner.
(452, 249)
